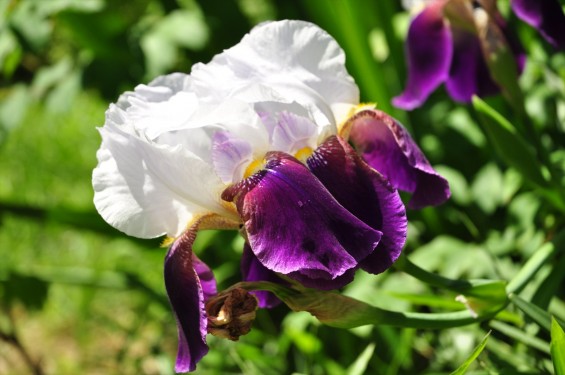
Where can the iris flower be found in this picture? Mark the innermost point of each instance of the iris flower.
(258, 140)
(447, 43)
(546, 16)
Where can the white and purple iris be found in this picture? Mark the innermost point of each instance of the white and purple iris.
(447, 43)
(258, 139)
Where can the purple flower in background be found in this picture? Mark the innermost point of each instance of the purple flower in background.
(546, 16)
(258, 139)
(447, 43)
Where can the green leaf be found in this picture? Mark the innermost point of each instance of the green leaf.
(538, 315)
(557, 347)
(347, 22)
(510, 146)
(486, 190)
(541, 256)
(10, 53)
(359, 367)
(520, 336)
(13, 107)
(478, 350)
(181, 28)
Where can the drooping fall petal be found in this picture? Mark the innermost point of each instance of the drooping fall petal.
(429, 49)
(387, 147)
(189, 283)
(296, 227)
(469, 74)
(366, 194)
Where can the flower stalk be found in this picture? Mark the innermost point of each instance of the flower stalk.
(340, 311)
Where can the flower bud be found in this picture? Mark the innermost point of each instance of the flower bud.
(231, 313)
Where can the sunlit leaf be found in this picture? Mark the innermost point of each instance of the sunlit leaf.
(181, 28)
(359, 367)
(520, 336)
(10, 53)
(509, 145)
(13, 108)
(478, 350)
(557, 347)
(535, 313)
(486, 188)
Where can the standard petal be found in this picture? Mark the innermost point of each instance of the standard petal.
(253, 270)
(295, 227)
(189, 282)
(429, 50)
(292, 126)
(295, 59)
(148, 190)
(292, 133)
(469, 74)
(546, 16)
(366, 194)
(386, 146)
(159, 106)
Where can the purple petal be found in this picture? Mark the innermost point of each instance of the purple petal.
(206, 277)
(253, 270)
(366, 194)
(544, 15)
(295, 226)
(429, 50)
(469, 74)
(189, 282)
(387, 147)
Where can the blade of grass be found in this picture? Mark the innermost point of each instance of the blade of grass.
(557, 347)
(344, 21)
(359, 367)
(521, 336)
(534, 312)
(478, 350)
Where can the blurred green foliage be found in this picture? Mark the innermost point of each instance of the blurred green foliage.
(76, 296)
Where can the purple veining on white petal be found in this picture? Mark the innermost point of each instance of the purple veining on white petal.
(230, 156)
(293, 132)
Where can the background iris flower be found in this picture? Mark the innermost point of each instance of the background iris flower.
(450, 42)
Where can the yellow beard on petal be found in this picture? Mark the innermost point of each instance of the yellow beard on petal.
(254, 167)
(303, 154)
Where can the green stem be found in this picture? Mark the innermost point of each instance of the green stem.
(490, 291)
(405, 265)
(341, 311)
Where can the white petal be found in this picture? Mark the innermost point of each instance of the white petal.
(233, 116)
(162, 105)
(297, 59)
(147, 190)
